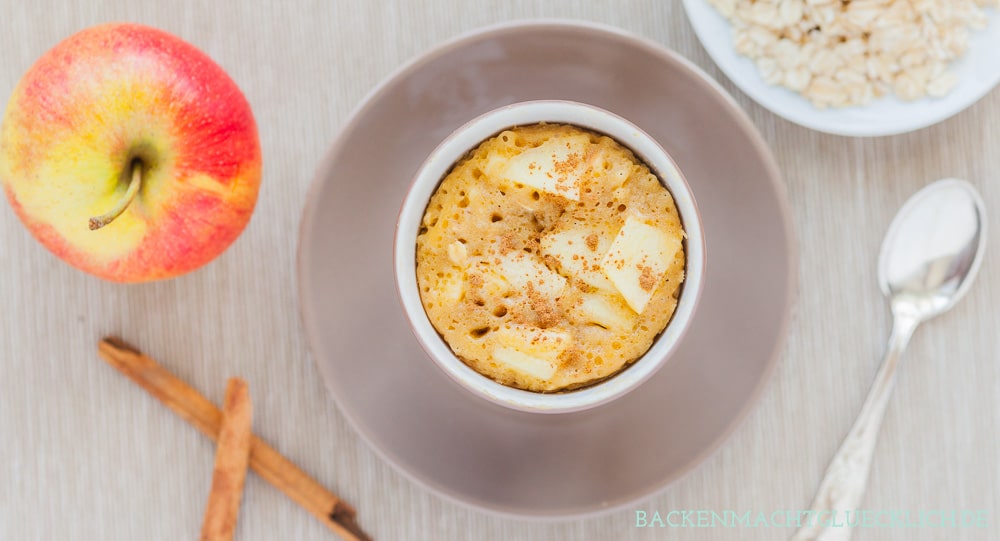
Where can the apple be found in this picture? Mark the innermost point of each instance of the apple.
(130, 154)
(638, 258)
(530, 350)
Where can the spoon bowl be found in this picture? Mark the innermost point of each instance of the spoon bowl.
(933, 249)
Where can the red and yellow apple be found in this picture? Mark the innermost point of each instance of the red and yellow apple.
(130, 154)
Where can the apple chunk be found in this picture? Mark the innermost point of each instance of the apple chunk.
(530, 350)
(554, 167)
(579, 254)
(606, 312)
(449, 289)
(520, 269)
(637, 260)
(525, 364)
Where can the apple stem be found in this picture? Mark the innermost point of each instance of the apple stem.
(98, 222)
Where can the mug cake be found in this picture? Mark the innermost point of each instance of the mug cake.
(550, 257)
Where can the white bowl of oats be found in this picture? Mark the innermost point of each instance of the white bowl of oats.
(855, 67)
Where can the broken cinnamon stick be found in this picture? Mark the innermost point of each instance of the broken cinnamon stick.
(231, 457)
(197, 410)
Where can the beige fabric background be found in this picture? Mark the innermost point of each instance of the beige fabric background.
(84, 454)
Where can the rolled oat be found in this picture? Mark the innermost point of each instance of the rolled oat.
(841, 53)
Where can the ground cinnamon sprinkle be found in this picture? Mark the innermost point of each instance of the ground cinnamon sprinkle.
(533, 244)
(475, 293)
(506, 243)
(547, 314)
(475, 281)
(646, 280)
(551, 262)
(567, 166)
(564, 169)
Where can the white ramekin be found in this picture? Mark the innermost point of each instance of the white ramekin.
(468, 137)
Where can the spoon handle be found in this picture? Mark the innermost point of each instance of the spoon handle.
(843, 485)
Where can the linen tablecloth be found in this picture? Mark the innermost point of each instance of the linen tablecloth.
(85, 454)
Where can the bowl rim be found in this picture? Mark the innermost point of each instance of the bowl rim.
(469, 136)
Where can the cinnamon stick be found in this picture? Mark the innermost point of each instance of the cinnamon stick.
(200, 412)
(231, 457)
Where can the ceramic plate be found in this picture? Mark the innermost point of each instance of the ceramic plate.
(485, 455)
(978, 71)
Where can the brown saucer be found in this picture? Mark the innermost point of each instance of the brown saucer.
(485, 455)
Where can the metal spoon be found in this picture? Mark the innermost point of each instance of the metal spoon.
(929, 258)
